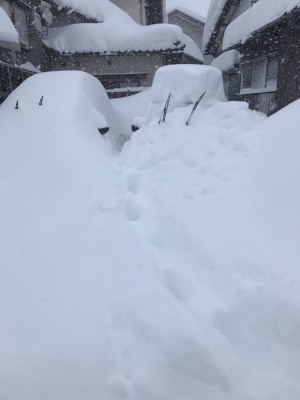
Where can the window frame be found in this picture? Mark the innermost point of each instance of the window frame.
(265, 71)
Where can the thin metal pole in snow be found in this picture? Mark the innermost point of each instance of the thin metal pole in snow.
(194, 108)
(165, 110)
(17, 105)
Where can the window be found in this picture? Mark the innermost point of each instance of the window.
(272, 73)
(260, 75)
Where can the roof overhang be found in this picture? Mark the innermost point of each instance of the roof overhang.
(223, 20)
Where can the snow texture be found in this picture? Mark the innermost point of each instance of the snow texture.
(117, 32)
(227, 60)
(259, 15)
(169, 270)
(8, 32)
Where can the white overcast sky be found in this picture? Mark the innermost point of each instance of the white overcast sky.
(199, 7)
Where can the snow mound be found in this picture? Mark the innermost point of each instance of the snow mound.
(117, 32)
(186, 83)
(8, 32)
(66, 95)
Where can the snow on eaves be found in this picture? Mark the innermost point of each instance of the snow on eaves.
(8, 32)
(255, 18)
(110, 37)
(117, 31)
(192, 49)
(227, 60)
(214, 13)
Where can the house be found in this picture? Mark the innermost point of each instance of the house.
(144, 12)
(20, 43)
(121, 42)
(257, 47)
(122, 49)
(191, 24)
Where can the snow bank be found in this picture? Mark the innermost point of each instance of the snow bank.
(255, 18)
(97, 294)
(170, 271)
(214, 12)
(227, 60)
(8, 32)
(186, 83)
(117, 32)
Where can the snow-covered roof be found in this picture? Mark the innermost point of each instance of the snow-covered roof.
(192, 49)
(115, 32)
(188, 12)
(255, 18)
(8, 32)
(214, 13)
(226, 60)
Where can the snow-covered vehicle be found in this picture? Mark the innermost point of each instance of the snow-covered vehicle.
(57, 101)
(185, 84)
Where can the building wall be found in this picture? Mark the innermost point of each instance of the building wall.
(127, 64)
(194, 31)
(31, 47)
(283, 40)
(133, 8)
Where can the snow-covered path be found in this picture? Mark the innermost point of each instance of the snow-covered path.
(168, 271)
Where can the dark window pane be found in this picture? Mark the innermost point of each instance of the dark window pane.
(259, 73)
(272, 73)
(247, 75)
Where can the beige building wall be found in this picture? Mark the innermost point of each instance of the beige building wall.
(144, 64)
(132, 7)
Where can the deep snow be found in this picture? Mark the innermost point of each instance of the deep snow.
(167, 271)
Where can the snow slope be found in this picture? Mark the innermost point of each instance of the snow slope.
(167, 271)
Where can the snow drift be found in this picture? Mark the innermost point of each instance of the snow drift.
(167, 271)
